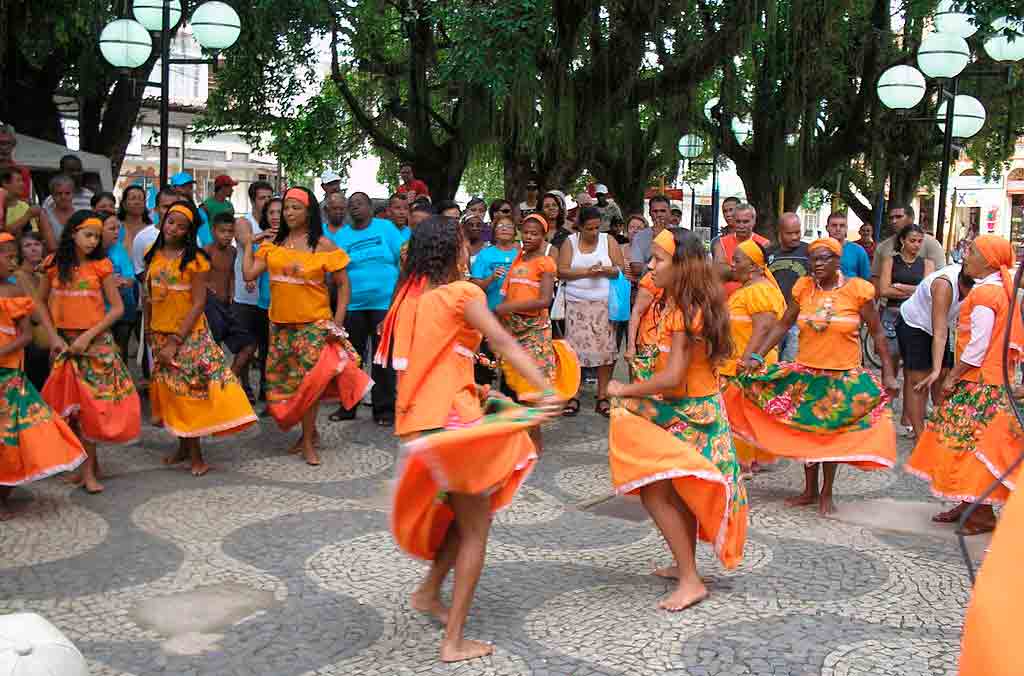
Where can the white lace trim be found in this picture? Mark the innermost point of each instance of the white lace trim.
(924, 476)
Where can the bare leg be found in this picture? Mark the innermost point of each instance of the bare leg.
(825, 503)
(309, 436)
(604, 374)
(810, 494)
(89, 480)
(672, 572)
(537, 439)
(938, 395)
(241, 361)
(472, 515)
(914, 402)
(427, 597)
(199, 466)
(679, 528)
(179, 457)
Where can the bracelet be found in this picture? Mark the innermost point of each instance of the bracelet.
(756, 357)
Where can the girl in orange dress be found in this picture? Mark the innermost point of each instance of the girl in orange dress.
(34, 443)
(464, 454)
(754, 309)
(824, 408)
(310, 359)
(192, 390)
(669, 437)
(642, 334)
(973, 438)
(89, 384)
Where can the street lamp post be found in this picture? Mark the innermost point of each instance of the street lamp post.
(127, 43)
(690, 147)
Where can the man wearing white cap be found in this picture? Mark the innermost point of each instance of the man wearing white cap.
(330, 181)
(610, 212)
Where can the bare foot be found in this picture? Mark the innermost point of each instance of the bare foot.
(74, 478)
(979, 523)
(457, 651)
(178, 458)
(826, 506)
(199, 468)
(92, 486)
(951, 515)
(5, 492)
(430, 605)
(310, 454)
(802, 500)
(297, 448)
(667, 572)
(686, 595)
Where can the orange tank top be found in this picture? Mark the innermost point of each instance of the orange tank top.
(78, 305)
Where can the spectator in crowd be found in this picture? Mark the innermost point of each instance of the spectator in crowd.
(220, 201)
(744, 217)
(472, 227)
(677, 216)
(867, 240)
(788, 262)
(420, 212)
(124, 278)
(8, 144)
(531, 203)
(19, 216)
(448, 209)
(250, 301)
(609, 210)
(144, 240)
(398, 213)
(854, 261)
(729, 205)
(587, 262)
(374, 248)
(490, 264)
(104, 202)
(58, 207)
(133, 215)
(499, 207)
(552, 206)
(81, 196)
(411, 186)
(900, 216)
(330, 182)
(335, 206)
(963, 247)
(478, 206)
(635, 224)
(659, 207)
(31, 250)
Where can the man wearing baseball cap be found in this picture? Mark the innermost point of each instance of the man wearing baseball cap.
(610, 212)
(218, 203)
(330, 181)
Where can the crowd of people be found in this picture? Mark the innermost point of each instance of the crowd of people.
(739, 352)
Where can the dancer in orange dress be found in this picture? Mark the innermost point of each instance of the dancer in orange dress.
(669, 437)
(193, 392)
(824, 408)
(974, 437)
(34, 443)
(642, 334)
(89, 385)
(310, 358)
(464, 454)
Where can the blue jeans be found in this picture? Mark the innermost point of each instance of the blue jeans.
(789, 344)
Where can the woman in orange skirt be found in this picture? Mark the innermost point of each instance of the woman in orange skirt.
(464, 454)
(310, 358)
(192, 391)
(669, 437)
(824, 408)
(642, 334)
(34, 443)
(973, 438)
(754, 309)
(89, 384)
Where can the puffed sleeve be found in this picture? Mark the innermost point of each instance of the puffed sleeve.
(547, 264)
(802, 289)
(200, 264)
(103, 268)
(467, 292)
(863, 290)
(765, 297)
(17, 307)
(264, 250)
(335, 260)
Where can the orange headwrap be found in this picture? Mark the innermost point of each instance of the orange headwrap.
(832, 245)
(91, 223)
(297, 195)
(998, 253)
(540, 219)
(183, 210)
(667, 241)
(6, 237)
(753, 251)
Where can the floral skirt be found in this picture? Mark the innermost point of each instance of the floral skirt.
(534, 333)
(35, 443)
(490, 456)
(198, 395)
(814, 415)
(972, 439)
(95, 388)
(747, 454)
(992, 624)
(306, 364)
(590, 332)
(644, 361)
(688, 442)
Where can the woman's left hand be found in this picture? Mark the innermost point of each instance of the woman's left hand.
(79, 345)
(892, 386)
(947, 386)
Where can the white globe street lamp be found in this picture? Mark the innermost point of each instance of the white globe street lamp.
(712, 102)
(150, 13)
(943, 55)
(216, 25)
(125, 43)
(968, 116)
(901, 87)
(1000, 46)
(691, 146)
(948, 19)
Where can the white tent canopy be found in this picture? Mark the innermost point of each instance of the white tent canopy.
(37, 154)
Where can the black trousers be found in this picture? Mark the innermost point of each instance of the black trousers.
(362, 332)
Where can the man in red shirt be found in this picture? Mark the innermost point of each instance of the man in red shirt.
(411, 186)
(8, 142)
(744, 219)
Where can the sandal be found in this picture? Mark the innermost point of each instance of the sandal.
(604, 407)
(572, 407)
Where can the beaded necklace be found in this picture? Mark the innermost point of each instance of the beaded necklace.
(823, 315)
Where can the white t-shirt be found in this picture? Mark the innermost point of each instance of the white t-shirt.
(917, 310)
(242, 294)
(141, 244)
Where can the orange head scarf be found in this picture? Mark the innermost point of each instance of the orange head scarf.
(297, 195)
(832, 245)
(91, 223)
(753, 251)
(6, 237)
(667, 241)
(543, 222)
(998, 253)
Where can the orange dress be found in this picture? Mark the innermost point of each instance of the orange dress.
(455, 440)
(197, 395)
(974, 437)
(35, 443)
(824, 407)
(683, 437)
(94, 387)
(308, 360)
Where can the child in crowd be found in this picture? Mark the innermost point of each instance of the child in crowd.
(124, 278)
(224, 325)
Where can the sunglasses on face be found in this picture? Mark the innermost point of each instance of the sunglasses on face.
(531, 187)
(506, 210)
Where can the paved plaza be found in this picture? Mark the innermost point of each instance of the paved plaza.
(267, 566)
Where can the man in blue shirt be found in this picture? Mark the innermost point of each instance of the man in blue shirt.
(374, 246)
(854, 262)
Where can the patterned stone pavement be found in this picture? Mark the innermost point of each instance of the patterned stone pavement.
(267, 566)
